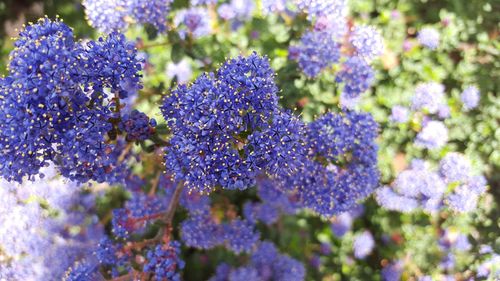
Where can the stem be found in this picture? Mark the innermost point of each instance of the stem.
(169, 215)
(164, 232)
(152, 45)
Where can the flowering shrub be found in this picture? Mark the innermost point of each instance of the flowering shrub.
(250, 140)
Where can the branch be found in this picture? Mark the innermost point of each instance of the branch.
(169, 215)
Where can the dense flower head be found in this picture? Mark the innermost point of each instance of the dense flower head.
(316, 51)
(225, 127)
(55, 105)
(38, 246)
(266, 264)
(152, 12)
(455, 167)
(194, 21)
(82, 271)
(413, 183)
(240, 236)
(239, 9)
(463, 199)
(117, 70)
(116, 15)
(470, 97)
(108, 253)
(137, 126)
(357, 76)
(202, 232)
(428, 96)
(363, 244)
(164, 261)
(433, 135)
(265, 212)
(341, 224)
(428, 37)
(367, 42)
(106, 15)
(317, 8)
(335, 26)
(392, 271)
(341, 168)
(453, 186)
(391, 200)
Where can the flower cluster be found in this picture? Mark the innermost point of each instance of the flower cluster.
(341, 166)
(320, 48)
(470, 97)
(39, 246)
(55, 105)
(433, 135)
(227, 127)
(428, 37)
(265, 264)
(137, 126)
(194, 22)
(164, 261)
(428, 97)
(420, 187)
(116, 15)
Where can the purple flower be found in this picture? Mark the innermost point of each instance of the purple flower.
(164, 261)
(317, 51)
(428, 96)
(363, 245)
(455, 167)
(357, 76)
(428, 37)
(391, 200)
(193, 21)
(318, 8)
(367, 42)
(433, 135)
(470, 97)
(393, 271)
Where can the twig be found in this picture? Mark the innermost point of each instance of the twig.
(172, 206)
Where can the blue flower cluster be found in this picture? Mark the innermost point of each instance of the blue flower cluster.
(433, 135)
(320, 49)
(227, 128)
(470, 97)
(164, 261)
(317, 51)
(38, 246)
(420, 187)
(428, 97)
(341, 167)
(367, 42)
(363, 244)
(55, 107)
(137, 126)
(357, 76)
(116, 15)
(203, 232)
(319, 8)
(428, 37)
(194, 22)
(266, 264)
